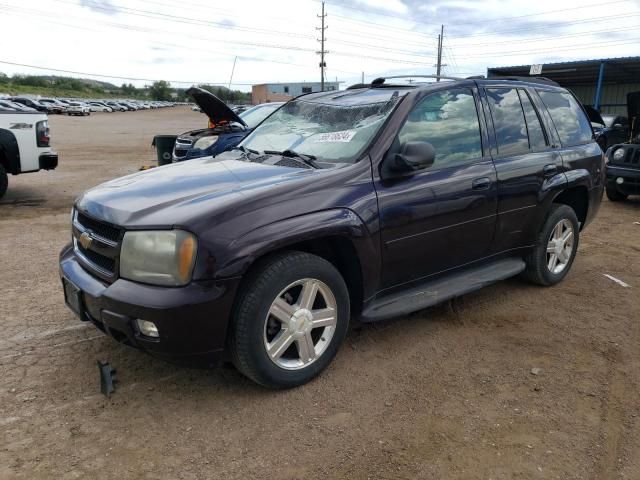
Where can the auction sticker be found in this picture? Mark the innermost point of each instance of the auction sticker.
(330, 137)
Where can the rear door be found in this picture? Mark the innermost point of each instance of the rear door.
(443, 216)
(525, 158)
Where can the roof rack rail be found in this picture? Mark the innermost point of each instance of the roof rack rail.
(476, 77)
(379, 81)
(543, 80)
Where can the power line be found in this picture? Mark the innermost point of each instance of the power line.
(555, 25)
(265, 45)
(529, 52)
(484, 21)
(536, 39)
(100, 75)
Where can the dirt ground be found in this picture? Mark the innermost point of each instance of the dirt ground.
(445, 393)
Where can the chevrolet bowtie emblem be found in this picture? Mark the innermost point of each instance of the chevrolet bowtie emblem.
(85, 240)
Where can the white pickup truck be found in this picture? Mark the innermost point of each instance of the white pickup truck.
(24, 145)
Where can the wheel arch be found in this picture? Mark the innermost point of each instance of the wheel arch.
(9, 152)
(576, 197)
(339, 236)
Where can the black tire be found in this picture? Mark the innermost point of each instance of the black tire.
(614, 195)
(251, 320)
(538, 270)
(4, 181)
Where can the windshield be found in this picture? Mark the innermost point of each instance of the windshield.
(253, 116)
(329, 132)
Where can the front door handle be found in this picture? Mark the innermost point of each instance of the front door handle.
(550, 170)
(481, 183)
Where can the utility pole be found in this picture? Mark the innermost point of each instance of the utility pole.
(322, 52)
(440, 41)
(232, 70)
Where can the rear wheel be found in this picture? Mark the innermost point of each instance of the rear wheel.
(556, 246)
(289, 320)
(614, 195)
(4, 181)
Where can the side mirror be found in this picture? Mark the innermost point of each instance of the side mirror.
(413, 156)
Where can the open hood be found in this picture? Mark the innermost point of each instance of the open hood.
(633, 112)
(213, 107)
(594, 115)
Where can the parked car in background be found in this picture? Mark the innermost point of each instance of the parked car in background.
(8, 104)
(371, 203)
(56, 105)
(623, 159)
(78, 108)
(32, 103)
(24, 144)
(116, 106)
(226, 128)
(99, 107)
(613, 129)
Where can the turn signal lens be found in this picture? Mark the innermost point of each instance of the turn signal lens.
(186, 252)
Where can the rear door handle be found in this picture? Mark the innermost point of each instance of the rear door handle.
(481, 183)
(550, 170)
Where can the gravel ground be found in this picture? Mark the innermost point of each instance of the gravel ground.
(514, 381)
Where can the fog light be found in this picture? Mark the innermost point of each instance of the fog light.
(619, 180)
(147, 328)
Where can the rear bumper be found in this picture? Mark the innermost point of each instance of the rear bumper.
(630, 179)
(48, 161)
(192, 321)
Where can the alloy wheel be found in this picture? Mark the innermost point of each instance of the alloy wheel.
(300, 324)
(560, 246)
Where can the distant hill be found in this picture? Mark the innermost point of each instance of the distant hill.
(87, 81)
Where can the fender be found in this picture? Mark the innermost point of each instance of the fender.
(9, 146)
(340, 222)
(580, 177)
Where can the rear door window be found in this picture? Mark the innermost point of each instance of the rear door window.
(570, 121)
(537, 140)
(508, 121)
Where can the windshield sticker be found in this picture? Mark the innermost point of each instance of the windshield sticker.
(330, 137)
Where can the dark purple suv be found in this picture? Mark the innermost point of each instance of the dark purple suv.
(366, 203)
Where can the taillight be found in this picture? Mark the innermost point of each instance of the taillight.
(42, 133)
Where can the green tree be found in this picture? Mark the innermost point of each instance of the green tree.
(160, 90)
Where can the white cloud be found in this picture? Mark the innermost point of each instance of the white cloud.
(276, 41)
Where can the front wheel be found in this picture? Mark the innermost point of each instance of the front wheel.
(289, 320)
(614, 195)
(556, 246)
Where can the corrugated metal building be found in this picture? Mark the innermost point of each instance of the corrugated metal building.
(602, 84)
(278, 92)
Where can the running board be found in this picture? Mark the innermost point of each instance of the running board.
(436, 291)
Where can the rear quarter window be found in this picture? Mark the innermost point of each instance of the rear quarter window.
(571, 123)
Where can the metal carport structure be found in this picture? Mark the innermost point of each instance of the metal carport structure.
(602, 84)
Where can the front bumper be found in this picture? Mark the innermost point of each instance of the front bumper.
(48, 161)
(192, 320)
(630, 176)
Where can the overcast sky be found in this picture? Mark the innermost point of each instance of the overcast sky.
(196, 41)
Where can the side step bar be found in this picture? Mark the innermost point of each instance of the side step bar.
(437, 291)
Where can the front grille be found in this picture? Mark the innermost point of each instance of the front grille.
(101, 256)
(180, 153)
(105, 263)
(632, 157)
(99, 228)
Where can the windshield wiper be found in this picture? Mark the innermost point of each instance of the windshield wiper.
(246, 150)
(306, 159)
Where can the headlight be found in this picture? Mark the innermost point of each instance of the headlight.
(618, 154)
(205, 142)
(163, 257)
